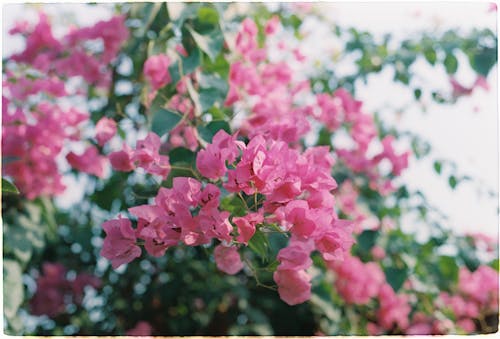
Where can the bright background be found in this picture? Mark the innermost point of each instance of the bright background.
(466, 133)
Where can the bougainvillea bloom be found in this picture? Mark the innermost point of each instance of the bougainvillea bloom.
(120, 243)
(156, 70)
(294, 287)
(228, 259)
(54, 290)
(88, 162)
(105, 130)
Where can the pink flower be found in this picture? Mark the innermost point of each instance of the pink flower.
(420, 328)
(480, 285)
(156, 70)
(105, 130)
(88, 162)
(54, 291)
(357, 282)
(482, 83)
(298, 214)
(394, 309)
(246, 226)
(120, 243)
(378, 252)
(51, 289)
(399, 162)
(121, 160)
(215, 224)
(467, 325)
(333, 245)
(146, 155)
(294, 287)
(142, 328)
(373, 329)
(211, 162)
(295, 257)
(228, 259)
(246, 41)
(272, 25)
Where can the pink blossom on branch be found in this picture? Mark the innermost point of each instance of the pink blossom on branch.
(156, 70)
(294, 287)
(105, 130)
(88, 162)
(54, 290)
(120, 243)
(228, 259)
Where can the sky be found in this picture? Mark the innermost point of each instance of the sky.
(466, 133)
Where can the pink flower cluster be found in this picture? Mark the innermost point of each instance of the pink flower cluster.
(156, 70)
(477, 295)
(146, 155)
(70, 56)
(273, 93)
(296, 190)
(359, 283)
(156, 73)
(275, 100)
(341, 109)
(37, 124)
(170, 221)
(34, 139)
(55, 291)
(459, 90)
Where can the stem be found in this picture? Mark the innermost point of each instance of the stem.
(254, 272)
(242, 199)
(187, 169)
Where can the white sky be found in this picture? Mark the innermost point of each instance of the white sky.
(456, 132)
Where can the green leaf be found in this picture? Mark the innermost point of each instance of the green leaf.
(8, 187)
(448, 268)
(469, 258)
(494, 264)
(181, 154)
(234, 205)
(211, 43)
(417, 93)
(437, 166)
(213, 81)
(13, 292)
(208, 15)
(207, 132)
(430, 55)
(17, 243)
(452, 181)
(396, 277)
(176, 172)
(164, 120)
(48, 214)
(260, 245)
(191, 62)
(111, 191)
(208, 96)
(324, 138)
(450, 63)
(219, 66)
(484, 60)
(367, 239)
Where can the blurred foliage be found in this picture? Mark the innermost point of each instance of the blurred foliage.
(182, 293)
